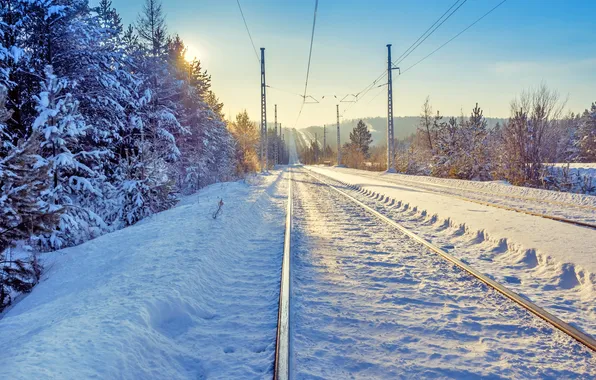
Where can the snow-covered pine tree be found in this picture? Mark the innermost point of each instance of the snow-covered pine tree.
(447, 143)
(62, 128)
(16, 71)
(566, 147)
(246, 133)
(587, 136)
(23, 180)
(149, 148)
(473, 148)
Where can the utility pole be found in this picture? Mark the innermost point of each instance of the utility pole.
(275, 147)
(316, 149)
(390, 127)
(264, 137)
(338, 140)
(324, 142)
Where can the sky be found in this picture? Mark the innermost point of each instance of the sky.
(521, 45)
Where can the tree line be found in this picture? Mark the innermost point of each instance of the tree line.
(519, 150)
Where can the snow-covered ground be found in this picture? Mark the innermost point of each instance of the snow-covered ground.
(179, 295)
(551, 263)
(561, 242)
(371, 303)
(584, 165)
(575, 177)
(559, 204)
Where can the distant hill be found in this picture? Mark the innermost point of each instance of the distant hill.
(404, 127)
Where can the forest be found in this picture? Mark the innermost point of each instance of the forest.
(102, 125)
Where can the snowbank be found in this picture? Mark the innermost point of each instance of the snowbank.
(554, 243)
(179, 295)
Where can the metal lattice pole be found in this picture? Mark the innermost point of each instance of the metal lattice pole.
(338, 140)
(275, 147)
(316, 149)
(264, 137)
(390, 126)
(324, 142)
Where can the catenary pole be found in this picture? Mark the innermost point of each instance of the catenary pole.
(338, 140)
(264, 137)
(390, 126)
(275, 148)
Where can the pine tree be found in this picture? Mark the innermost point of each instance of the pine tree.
(151, 26)
(23, 181)
(361, 138)
(473, 147)
(62, 129)
(587, 136)
(246, 133)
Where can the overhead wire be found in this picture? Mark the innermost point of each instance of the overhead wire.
(312, 38)
(440, 21)
(248, 31)
(404, 56)
(454, 37)
(442, 46)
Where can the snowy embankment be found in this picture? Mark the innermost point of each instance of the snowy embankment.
(496, 188)
(550, 239)
(179, 295)
(552, 263)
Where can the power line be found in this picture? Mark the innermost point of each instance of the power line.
(457, 35)
(248, 31)
(427, 30)
(371, 86)
(432, 31)
(312, 38)
(409, 50)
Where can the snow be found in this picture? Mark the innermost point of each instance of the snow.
(562, 242)
(370, 303)
(576, 165)
(551, 263)
(178, 295)
(579, 177)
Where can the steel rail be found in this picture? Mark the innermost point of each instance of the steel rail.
(508, 208)
(566, 328)
(281, 370)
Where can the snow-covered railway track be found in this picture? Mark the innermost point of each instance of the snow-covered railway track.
(281, 368)
(570, 213)
(366, 302)
(581, 337)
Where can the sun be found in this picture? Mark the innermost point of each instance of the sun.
(192, 53)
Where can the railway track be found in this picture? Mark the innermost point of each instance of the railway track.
(281, 368)
(282, 358)
(453, 193)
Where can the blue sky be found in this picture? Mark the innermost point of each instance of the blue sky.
(519, 46)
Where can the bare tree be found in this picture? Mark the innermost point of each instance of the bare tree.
(533, 121)
(426, 123)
